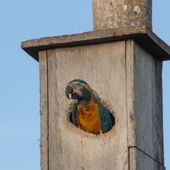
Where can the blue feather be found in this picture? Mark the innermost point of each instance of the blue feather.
(106, 118)
(73, 114)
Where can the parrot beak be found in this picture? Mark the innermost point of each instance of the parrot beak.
(71, 93)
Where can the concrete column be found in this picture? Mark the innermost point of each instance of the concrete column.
(134, 15)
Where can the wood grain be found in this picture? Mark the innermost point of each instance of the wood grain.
(125, 75)
(146, 38)
(44, 109)
(70, 147)
(148, 104)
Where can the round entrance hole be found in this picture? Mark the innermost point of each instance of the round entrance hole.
(89, 112)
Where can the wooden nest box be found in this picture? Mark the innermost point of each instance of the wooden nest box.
(122, 60)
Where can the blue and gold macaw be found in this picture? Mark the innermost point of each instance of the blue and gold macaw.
(88, 113)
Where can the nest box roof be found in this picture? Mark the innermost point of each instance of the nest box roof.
(147, 39)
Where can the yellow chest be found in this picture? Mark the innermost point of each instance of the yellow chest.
(88, 118)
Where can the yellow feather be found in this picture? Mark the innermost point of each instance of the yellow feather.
(88, 117)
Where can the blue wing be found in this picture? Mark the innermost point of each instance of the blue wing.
(73, 114)
(106, 118)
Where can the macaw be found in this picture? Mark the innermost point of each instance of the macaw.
(88, 113)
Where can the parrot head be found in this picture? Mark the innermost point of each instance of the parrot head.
(78, 89)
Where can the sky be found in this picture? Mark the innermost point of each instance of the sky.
(22, 20)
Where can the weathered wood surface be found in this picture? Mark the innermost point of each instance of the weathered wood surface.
(132, 158)
(44, 109)
(125, 75)
(144, 109)
(145, 162)
(147, 39)
(148, 106)
(136, 15)
(103, 67)
(129, 48)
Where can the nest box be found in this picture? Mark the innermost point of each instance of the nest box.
(122, 60)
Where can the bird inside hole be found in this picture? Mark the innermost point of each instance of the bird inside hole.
(88, 113)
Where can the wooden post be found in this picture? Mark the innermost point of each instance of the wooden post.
(134, 15)
(125, 68)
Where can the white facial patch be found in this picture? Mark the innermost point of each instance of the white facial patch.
(70, 96)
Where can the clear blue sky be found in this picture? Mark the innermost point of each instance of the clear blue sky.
(19, 74)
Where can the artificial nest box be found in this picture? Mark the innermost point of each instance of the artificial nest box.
(125, 68)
